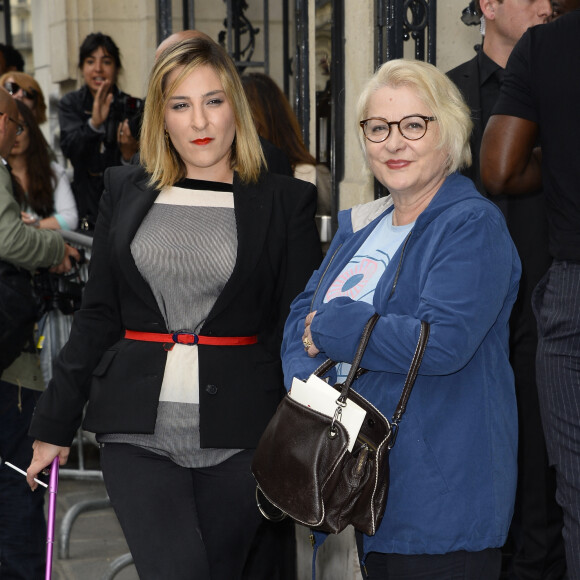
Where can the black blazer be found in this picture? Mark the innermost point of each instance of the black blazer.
(525, 214)
(466, 77)
(240, 386)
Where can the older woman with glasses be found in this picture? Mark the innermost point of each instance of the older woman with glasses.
(433, 250)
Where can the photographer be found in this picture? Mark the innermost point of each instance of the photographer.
(99, 124)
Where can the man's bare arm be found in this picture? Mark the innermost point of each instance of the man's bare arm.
(509, 161)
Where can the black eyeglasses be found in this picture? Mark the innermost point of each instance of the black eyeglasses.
(13, 88)
(19, 127)
(413, 127)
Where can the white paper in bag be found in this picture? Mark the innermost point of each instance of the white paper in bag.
(320, 396)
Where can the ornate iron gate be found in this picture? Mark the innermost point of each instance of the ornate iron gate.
(398, 21)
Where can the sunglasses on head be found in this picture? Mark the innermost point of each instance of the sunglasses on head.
(13, 88)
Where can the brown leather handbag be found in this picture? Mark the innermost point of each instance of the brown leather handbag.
(302, 464)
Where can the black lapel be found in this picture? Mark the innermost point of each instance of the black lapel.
(473, 96)
(253, 207)
(468, 82)
(135, 202)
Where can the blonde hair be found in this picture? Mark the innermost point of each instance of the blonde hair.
(28, 83)
(158, 155)
(438, 93)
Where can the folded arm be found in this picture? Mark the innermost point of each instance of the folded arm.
(509, 161)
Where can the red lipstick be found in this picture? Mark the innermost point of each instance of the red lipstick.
(204, 141)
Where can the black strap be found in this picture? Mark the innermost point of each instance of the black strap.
(356, 370)
(362, 345)
(413, 372)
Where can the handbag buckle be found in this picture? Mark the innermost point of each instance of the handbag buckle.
(333, 431)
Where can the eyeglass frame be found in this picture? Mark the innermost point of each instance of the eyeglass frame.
(398, 123)
(19, 126)
(31, 94)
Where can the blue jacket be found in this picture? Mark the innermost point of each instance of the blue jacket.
(453, 468)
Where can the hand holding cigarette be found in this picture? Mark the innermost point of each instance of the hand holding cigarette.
(24, 473)
(42, 457)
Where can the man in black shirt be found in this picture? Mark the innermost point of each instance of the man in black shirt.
(539, 98)
(535, 548)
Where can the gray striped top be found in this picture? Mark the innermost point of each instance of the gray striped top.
(186, 251)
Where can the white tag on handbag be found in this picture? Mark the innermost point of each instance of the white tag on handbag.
(320, 396)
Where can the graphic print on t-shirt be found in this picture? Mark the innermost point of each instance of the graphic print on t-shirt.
(359, 278)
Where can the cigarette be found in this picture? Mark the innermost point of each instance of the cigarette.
(24, 473)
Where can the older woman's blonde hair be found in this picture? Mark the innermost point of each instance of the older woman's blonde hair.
(441, 97)
(158, 155)
(28, 83)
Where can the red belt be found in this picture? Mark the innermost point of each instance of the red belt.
(190, 338)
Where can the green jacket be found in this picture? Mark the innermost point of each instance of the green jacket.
(29, 248)
(20, 244)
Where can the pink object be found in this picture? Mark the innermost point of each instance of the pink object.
(52, 491)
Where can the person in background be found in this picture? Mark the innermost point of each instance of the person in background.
(535, 548)
(48, 198)
(197, 255)
(95, 132)
(24, 88)
(275, 121)
(22, 525)
(47, 201)
(415, 256)
(539, 99)
(10, 59)
(560, 7)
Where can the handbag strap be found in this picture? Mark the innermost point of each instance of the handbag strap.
(413, 372)
(356, 370)
(355, 365)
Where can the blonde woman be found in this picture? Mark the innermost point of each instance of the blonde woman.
(434, 250)
(196, 258)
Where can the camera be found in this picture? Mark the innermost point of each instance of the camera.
(124, 107)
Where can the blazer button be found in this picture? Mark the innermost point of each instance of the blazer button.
(211, 389)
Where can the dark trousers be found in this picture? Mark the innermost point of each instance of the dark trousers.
(22, 523)
(535, 548)
(557, 310)
(535, 539)
(182, 523)
(273, 553)
(461, 565)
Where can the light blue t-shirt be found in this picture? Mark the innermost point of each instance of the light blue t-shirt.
(359, 278)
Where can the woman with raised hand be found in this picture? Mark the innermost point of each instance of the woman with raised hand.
(99, 124)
